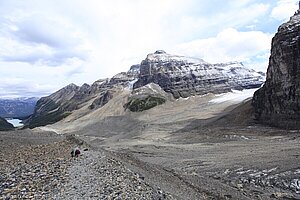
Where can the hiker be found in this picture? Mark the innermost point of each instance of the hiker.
(75, 152)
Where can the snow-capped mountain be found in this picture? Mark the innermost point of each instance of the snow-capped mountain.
(17, 108)
(185, 76)
(177, 76)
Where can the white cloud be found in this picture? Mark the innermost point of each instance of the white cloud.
(80, 41)
(230, 45)
(284, 9)
(40, 39)
(243, 15)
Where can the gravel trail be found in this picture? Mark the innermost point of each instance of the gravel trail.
(42, 168)
(95, 175)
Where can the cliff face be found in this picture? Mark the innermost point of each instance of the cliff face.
(278, 101)
(184, 76)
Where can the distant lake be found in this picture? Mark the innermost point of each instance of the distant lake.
(15, 122)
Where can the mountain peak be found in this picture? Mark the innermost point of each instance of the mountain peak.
(161, 56)
(292, 23)
(160, 52)
(185, 76)
(71, 86)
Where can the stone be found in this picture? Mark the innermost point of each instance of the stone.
(279, 195)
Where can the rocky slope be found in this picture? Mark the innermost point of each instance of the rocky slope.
(177, 75)
(17, 108)
(184, 76)
(60, 104)
(278, 101)
(5, 126)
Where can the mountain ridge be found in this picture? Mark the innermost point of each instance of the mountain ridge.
(185, 76)
(179, 76)
(17, 107)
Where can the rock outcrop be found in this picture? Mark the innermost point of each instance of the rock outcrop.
(277, 103)
(184, 76)
(102, 99)
(145, 98)
(60, 104)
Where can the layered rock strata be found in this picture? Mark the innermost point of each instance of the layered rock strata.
(278, 101)
(184, 76)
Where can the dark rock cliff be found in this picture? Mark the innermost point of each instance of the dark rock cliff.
(277, 103)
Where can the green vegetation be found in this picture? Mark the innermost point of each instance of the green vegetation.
(139, 105)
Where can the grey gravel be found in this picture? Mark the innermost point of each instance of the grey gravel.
(95, 175)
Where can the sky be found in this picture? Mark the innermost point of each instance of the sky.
(48, 44)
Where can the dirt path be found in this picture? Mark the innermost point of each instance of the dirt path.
(96, 175)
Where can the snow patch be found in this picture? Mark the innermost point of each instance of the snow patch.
(15, 122)
(235, 96)
(45, 128)
(131, 83)
(237, 137)
(164, 57)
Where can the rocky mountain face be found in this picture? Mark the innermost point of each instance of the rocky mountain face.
(5, 126)
(159, 74)
(184, 76)
(17, 108)
(60, 104)
(278, 101)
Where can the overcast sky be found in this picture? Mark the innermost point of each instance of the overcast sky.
(47, 44)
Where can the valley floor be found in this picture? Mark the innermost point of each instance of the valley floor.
(155, 155)
(249, 163)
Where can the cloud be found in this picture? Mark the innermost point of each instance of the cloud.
(16, 87)
(24, 79)
(38, 39)
(284, 9)
(235, 14)
(229, 45)
(80, 41)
